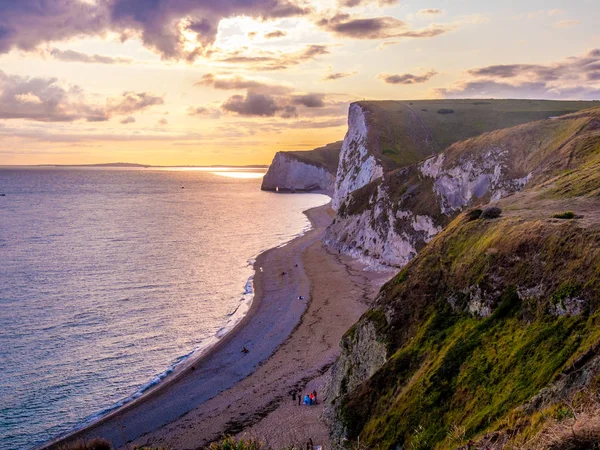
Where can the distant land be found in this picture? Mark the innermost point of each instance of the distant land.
(145, 166)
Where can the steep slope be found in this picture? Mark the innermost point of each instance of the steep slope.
(390, 219)
(463, 341)
(303, 170)
(386, 135)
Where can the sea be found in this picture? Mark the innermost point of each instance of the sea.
(110, 277)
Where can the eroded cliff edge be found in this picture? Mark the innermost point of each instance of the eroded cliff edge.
(392, 196)
(299, 171)
(491, 332)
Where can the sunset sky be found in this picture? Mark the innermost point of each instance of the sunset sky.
(200, 82)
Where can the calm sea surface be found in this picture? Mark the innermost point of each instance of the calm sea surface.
(110, 277)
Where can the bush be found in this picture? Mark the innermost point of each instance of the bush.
(94, 444)
(445, 111)
(566, 215)
(492, 212)
(474, 214)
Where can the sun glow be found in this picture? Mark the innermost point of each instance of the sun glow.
(243, 175)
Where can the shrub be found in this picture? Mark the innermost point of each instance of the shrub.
(491, 212)
(474, 214)
(445, 111)
(94, 444)
(566, 215)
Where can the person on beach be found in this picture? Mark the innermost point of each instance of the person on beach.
(306, 400)
(293, 396)
(314, 393)
(312, 398)
(299, 398)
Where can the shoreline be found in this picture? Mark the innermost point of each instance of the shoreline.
(112, 425)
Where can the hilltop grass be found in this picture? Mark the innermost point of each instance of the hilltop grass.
(450, 369)
(327, 156)
(405, 132)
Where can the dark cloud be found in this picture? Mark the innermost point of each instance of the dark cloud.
(407, 78)
(254, 104)
(376, 28)
(240, 82)
(429, 12)
(275, 34)
(338, 75)
(128, 119)
(45, 100)
(269, 105)
(73, 56)
(530, 90)
(198, 111)
(309, 100)
(573, 78)
(25, 24)
(571, 68)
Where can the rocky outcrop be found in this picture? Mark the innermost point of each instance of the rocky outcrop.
(303, 171)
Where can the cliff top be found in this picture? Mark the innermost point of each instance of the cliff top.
(404, 132)
(327, 156)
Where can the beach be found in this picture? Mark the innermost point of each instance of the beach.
(305, 299)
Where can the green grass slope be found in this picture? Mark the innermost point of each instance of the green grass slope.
(326, 157)
(404, 132)
(490, 312)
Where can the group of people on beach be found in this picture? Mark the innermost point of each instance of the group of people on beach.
(308, 399)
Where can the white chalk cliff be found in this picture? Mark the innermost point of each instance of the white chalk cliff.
(287, 173)
(357, 166)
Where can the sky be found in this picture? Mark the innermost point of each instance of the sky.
(202, 82)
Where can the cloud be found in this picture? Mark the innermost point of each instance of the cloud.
(275, 34)
(573, 78)
(269, 60)
(354, 3)
(344, 25)
(256, 104)
(407, 78)
(268, 105)
(128, 119)
(240, 82)
(131, 102)
(73, 56)
(430, 12)
(338, 75)
(162, 25)
(563, 24)
(46, 100)
(163, 122)
(309, 100)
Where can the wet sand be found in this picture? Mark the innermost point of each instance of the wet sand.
(291, 344)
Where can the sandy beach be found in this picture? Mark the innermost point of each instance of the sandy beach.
(292, 343)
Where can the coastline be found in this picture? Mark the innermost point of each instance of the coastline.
(133, 419)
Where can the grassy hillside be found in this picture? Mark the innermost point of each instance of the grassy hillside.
(492, 310)
(326, 157)
(404, 132)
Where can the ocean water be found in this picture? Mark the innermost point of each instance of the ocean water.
(110, 277)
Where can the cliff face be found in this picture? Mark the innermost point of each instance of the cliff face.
(303, 171)
(391, 200)
(357, 165)
(494, 323)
